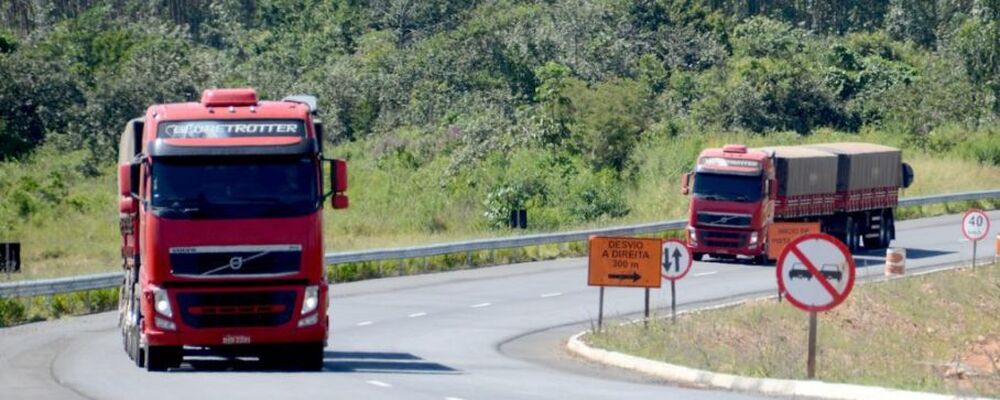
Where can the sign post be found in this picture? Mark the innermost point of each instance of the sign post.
(816, 273)
(10, 258)
(975, 227)
(623, 262)
(677, 261)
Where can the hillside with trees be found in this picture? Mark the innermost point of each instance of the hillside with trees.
(454, 112)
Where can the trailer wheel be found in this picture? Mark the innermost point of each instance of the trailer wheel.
(852, 235)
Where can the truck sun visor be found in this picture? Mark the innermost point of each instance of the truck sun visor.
(213, 129)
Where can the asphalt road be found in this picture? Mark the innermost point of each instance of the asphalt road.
(489, 333)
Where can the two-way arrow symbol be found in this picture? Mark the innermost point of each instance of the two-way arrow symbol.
(634, 276)
(677, 261)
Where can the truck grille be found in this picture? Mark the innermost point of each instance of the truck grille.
(722, 219)
(229, 261)
(223, 310)
(723, 239)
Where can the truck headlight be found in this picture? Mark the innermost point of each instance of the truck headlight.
(311, 300)
(692, 236)
(165, 324)
(753, 239)
(309, 321)
(161, 302)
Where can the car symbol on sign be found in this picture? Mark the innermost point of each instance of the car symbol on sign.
(799, 271)
(832, 272)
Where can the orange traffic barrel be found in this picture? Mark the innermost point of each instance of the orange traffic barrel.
(996, 252)
(895, 261)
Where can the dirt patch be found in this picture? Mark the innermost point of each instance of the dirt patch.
(979, 366)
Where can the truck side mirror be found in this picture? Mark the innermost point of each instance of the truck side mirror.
(126, 203)
(135, 168)
(686, 184)
(124, 180)
(907, 175)
(338, 184)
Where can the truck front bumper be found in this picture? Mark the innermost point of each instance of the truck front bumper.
(748, 243)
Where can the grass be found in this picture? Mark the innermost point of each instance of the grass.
(68, 224)
(21, 310)
(905, 333)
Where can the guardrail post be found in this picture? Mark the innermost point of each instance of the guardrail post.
(468, 259)
(425, 264)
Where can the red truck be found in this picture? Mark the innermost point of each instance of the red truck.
(221, 215)
(737, 194)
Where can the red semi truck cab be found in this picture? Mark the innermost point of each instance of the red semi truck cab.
(731, 202)
(221, 216)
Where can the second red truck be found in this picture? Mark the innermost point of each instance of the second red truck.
(849, 189)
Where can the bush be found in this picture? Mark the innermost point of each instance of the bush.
(11, 312)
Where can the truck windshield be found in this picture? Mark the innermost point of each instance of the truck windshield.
(239, 188)
(725, 187)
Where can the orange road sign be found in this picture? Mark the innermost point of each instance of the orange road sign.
(780, 234)
(624, 261)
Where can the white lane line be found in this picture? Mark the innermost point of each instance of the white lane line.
(419, 314)
(706, 273)
(380, 384)
(554, 294)
(365, 323)
(453, 398)
(481, 305)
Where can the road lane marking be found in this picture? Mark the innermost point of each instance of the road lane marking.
(706, 273)
(365, 323)
(453, 398)
(380, 384)
(419, 314)
(481, 305)
(551, 294)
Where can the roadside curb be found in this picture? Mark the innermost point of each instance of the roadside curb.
(768, 386)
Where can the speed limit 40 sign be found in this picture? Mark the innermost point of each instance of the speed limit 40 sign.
(975, 225)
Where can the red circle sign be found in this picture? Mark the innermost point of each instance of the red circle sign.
(975, 225)
(815, 272)
(677, 259)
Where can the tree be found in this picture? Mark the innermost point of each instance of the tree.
(978, 42)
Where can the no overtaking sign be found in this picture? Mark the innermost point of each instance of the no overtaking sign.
(816, 272)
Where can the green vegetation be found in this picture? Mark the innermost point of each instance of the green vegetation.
(929, 333)
(454, 112)
(21, 310)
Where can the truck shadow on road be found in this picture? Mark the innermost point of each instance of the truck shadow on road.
(876, 257)
(333, 362)
(399, 363)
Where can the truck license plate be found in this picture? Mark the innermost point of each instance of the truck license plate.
(236, 339)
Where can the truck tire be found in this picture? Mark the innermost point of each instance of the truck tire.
(698, 256)
(162, 358)
(852, 235)
(139, 356)
(310, 357)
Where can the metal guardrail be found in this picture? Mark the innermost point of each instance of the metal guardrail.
(45, 287)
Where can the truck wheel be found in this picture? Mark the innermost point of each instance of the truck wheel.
(310, 357)
(852, 235)
(139, 356)
(884, 238)
(698, 256)
(162, 358)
